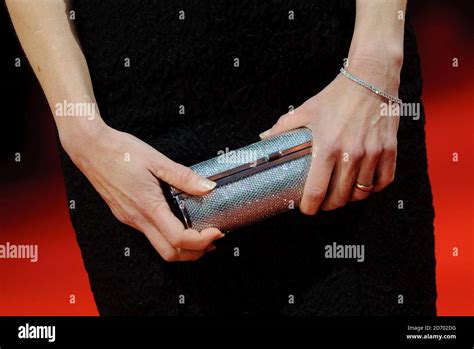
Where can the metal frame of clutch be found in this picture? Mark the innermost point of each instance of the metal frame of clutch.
(177, 197)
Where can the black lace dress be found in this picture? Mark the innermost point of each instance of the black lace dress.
(183, 53)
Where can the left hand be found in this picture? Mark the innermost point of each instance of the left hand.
(352, 141)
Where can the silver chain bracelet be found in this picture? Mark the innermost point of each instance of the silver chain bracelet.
(370, 86)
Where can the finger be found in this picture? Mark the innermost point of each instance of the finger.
(317, 183)
(365, 176)
(166, 251)
(342, 181)
(194, 240)
(385, 170)
(173, 230)
(289, 121)
(181, 177)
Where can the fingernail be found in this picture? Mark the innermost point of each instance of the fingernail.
(207, 184)
(220, 236)
(265, 134)
(210, 248)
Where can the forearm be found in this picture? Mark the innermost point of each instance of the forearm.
(48, 39)
(377, 44)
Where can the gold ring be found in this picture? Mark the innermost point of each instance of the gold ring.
(365, 188)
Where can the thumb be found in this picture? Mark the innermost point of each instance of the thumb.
(286, 122)
(182, 177)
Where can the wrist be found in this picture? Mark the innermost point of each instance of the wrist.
(379, 30)
(388, 52)
(74, 135)
(376, 51)
(378, 69)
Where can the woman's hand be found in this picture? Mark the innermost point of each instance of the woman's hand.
(124, 171)
(352, 141)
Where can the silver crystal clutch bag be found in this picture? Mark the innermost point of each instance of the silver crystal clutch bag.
(253, 183)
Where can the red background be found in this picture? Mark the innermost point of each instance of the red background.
(34, 206)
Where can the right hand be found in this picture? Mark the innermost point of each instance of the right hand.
(125, 171)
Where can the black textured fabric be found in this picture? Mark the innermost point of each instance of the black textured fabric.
(282, 62)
